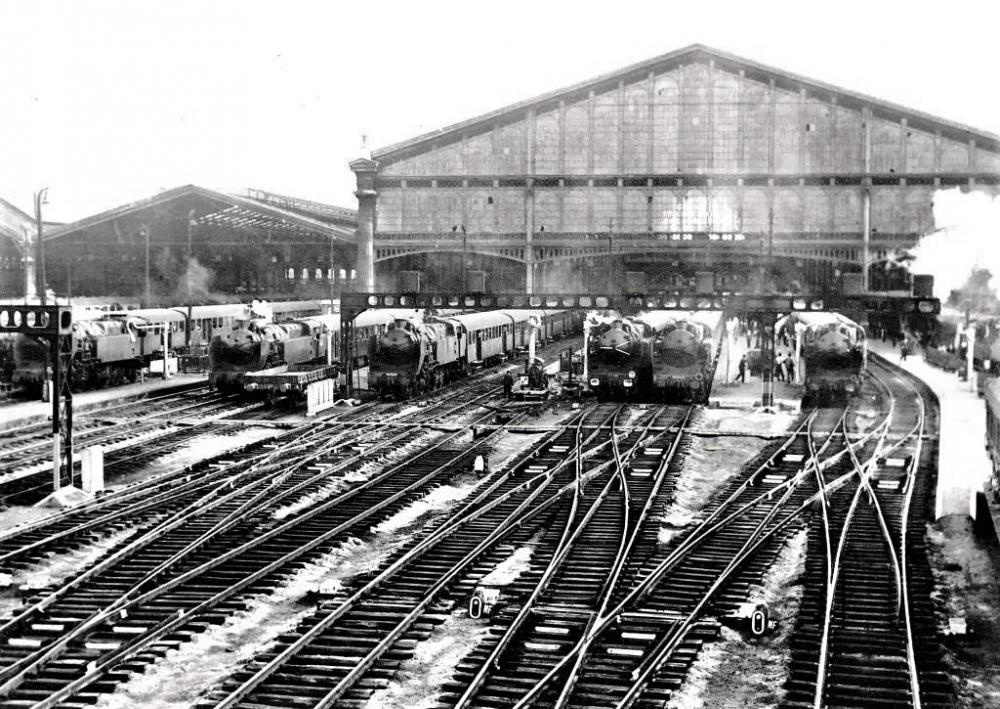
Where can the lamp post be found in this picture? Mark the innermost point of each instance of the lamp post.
(190, 251)
(40, 199)
(145, 234)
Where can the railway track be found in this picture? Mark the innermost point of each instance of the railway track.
(604, 615)
(149, 501)
(25, 456)
(183, 568)
(533, 497)
(867, 622)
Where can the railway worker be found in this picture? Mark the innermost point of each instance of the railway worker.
(779, 371)
(481, 465)
(508, 384)
(742, 376)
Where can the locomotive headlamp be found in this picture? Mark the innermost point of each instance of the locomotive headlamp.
(631, 374)
(594, 382)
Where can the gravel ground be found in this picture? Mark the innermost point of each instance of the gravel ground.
(738, 672)
(967, 574)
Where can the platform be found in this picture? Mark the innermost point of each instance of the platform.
(25, 413)
(963, 466)
(728, 393)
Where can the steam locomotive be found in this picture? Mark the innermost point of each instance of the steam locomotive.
(413, 356)
(657, 355)
(684, 353)
(110, 348)
(620, 359)
(833, 354)
(251, 345)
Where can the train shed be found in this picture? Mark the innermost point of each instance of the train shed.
(193, 243)
(693, 160)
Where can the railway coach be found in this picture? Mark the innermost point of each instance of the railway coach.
(992, 398)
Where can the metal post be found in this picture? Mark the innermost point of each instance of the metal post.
(40, 246)
(329, 276)
(767, 359)
(586, 362)
(465, 260)
(145, 232)
(166, 350)
(770, 249)
(970, 344)
(611, 270)
(54, 353)
(190, 252)
(798, 353)
(347, 342)
(66, 395)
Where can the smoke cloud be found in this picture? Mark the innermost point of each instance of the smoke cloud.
(195, 284)
(967, 236)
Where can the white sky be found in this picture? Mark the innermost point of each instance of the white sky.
(109, 102)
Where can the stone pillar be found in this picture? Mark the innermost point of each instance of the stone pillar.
(365, 171)
(529, 231)
(866, 200)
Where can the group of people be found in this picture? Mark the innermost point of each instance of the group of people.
(784, 368)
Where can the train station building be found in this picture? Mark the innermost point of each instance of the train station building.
(694, 160)
(188, 244)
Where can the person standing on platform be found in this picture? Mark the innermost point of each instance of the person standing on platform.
(904, 350)
(786, 366)
(778, 372)
(790, 364)
(742, 376)
(508, 384)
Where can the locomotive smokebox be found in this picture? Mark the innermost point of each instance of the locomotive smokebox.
(923, 285)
